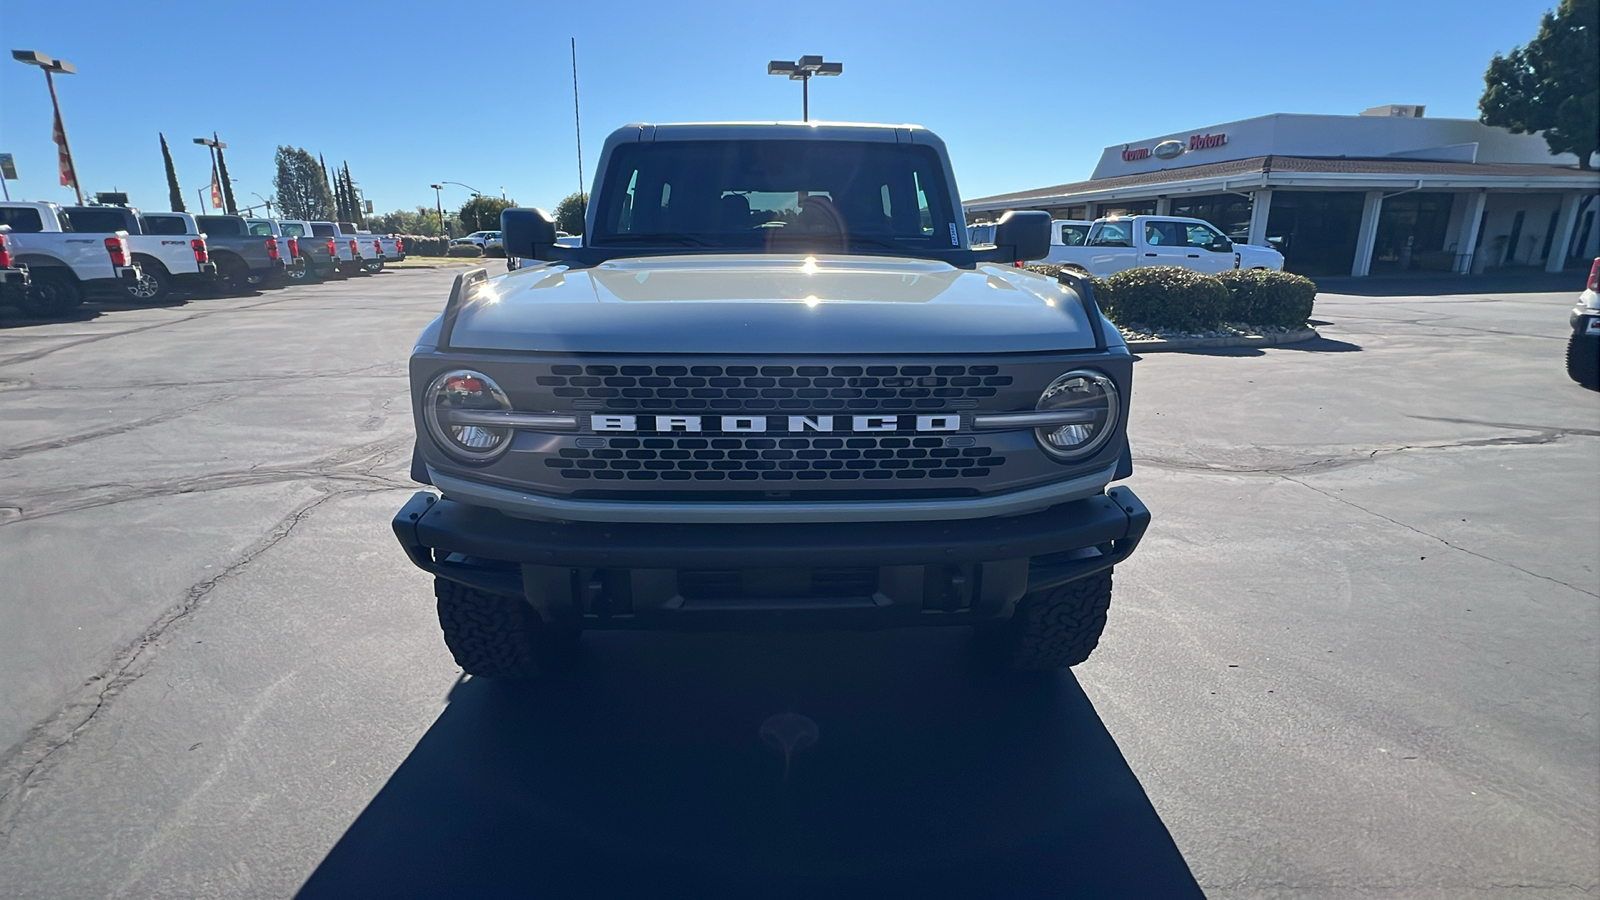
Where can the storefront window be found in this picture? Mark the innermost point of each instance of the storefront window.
(1411, 233)
(1129, 208)
(1230, 213)
(1315, 230)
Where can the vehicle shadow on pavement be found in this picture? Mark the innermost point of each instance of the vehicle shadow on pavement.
(1314, 345)
(644, 774)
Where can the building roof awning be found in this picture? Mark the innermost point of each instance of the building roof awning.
(1318, 173)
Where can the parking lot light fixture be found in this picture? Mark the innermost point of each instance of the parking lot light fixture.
(214, 145)
(53, 67)
(802, 71)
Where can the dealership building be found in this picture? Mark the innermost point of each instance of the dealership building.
(1385, 191)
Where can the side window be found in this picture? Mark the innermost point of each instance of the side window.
(23, 220)
(1111, 234)
(1200, 234)
(1073, 235)
(1162, 234)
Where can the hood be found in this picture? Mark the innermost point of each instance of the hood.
(742, 303)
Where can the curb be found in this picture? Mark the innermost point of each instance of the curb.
(1243, 340)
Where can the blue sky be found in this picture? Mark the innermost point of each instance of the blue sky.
(480, 91)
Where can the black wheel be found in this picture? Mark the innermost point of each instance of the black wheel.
(54, 292)
(233, 275)
(1051, 629)
(500, 636)
(154, 283)
(372, 266)
(300, 275)
(1583, 359)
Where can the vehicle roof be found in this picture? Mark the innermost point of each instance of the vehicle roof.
(838, 131)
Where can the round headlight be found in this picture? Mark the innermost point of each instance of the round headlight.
(466, 391)
(1093, 396)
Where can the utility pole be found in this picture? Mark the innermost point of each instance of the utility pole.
(437, 199)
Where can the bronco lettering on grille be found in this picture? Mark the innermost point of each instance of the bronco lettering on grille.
(761, 424)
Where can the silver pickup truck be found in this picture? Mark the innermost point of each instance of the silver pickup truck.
(775, 387)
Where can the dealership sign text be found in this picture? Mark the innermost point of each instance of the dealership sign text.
(1174, 148)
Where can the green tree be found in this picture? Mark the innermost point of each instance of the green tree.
(301, 186)
(1552, 85)
(230, 207)
(352, 198)
(423, 222)
(482, 213)
(174, 193)
(570, 212)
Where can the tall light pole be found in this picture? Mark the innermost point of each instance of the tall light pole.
(438, 199)
(215, 145)
(801, 70)
(51, 68)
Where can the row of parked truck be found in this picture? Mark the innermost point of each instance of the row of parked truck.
(53, 257)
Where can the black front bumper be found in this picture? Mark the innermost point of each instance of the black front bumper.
(847, 574)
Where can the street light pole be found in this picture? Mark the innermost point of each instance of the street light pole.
(215, 145)
(438, 199)
(801, 71)
(50, 67)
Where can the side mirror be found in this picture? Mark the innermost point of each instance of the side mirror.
(528, 233)
(1222, 245)
(1020, 235)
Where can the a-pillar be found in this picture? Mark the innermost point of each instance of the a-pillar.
(1471, 225)
(1371, 208)
(1260, 208)
(1565, 221)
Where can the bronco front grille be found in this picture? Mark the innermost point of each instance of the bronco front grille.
(685, 458)
(762, 388)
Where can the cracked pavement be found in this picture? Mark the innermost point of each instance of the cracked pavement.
(1355, 655)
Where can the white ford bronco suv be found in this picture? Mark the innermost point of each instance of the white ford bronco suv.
(775, 386)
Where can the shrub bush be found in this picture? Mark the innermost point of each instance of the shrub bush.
(1165, 297)
(496, 251)
(419, 245)
(1261, 297)
(465, 250)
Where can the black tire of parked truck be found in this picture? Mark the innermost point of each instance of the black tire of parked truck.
(500, 636)
(55, 291)
(1583, 359)
(154, 283)
(233, 275)
(372, 266)
(1051, 629)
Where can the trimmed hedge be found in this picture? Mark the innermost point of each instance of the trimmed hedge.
(465, 250)
(418, 245)
(1262, 297)
(496, 251)
(1166, 297)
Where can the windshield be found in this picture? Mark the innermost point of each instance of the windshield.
(776, 195)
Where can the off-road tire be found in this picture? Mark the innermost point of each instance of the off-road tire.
(1053, 628)
(500, 636)
(54, 292)
(1583, 359)
(154, 283)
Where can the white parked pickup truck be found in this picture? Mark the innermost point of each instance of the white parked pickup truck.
(63, 262)
(1117, 244)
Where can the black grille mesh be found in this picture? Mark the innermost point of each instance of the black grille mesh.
(759, 388)
(682, 458)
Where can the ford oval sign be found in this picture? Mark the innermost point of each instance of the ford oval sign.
(1169, 150)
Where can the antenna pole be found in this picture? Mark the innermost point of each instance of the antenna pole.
(576, 121)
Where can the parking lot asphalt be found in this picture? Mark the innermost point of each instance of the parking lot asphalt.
(1356, 654)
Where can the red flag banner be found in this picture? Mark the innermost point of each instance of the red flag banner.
(69, 178)
(216, 189)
